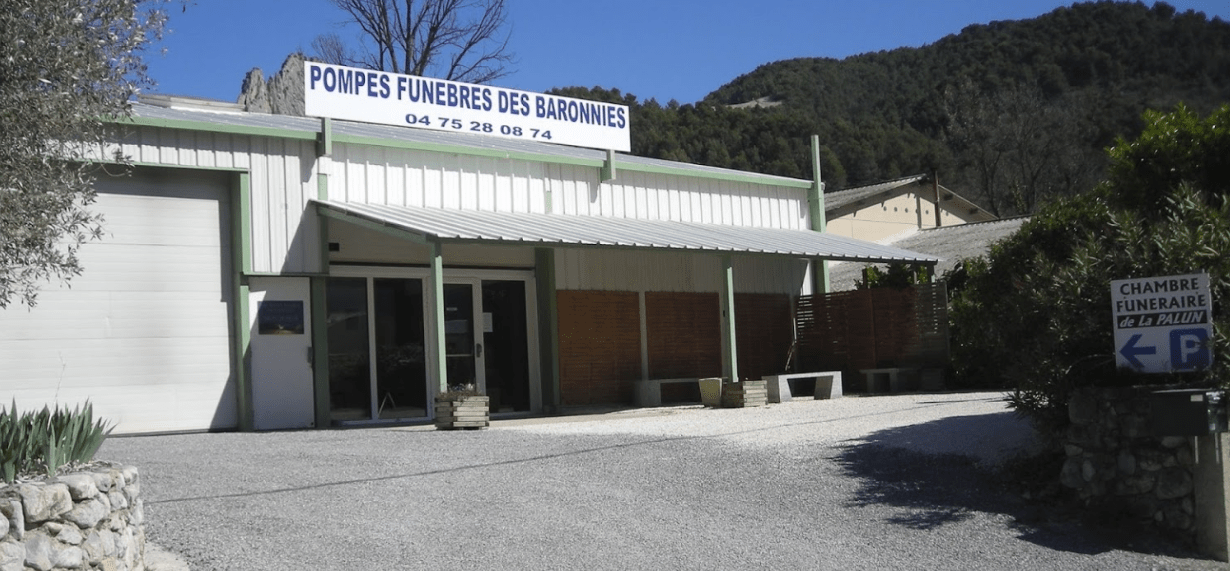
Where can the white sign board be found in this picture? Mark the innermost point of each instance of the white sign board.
(384, 98)
(1163, 324)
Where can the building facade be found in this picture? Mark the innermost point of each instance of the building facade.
(272, 272)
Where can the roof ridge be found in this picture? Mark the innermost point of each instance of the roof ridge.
(980, 223)
(902, 180)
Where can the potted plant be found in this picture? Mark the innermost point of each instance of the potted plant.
(462, 407)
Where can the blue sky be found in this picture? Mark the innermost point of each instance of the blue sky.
(664, 49)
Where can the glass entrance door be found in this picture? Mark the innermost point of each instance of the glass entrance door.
(463, 350)
(487, 340)
(378, 342)
(401, 366)
(506, 341)
(385, 379)
(350, 390)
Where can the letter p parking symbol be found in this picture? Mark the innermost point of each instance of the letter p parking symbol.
(1190, 349)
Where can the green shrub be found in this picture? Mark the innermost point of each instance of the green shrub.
(897, 275)
(47, 440)
(1035, 315)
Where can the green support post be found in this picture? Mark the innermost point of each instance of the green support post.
(548, 326)
(320, 350)
(320, 288)
(435, 328)
(815, 206)
(726, 298)
(241, 260)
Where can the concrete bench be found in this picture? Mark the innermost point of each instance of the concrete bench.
(649, 391)
(828, 385)
(886, 380)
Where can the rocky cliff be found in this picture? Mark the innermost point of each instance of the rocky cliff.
(281, 94)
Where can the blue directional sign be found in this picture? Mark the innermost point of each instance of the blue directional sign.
(1163, 324)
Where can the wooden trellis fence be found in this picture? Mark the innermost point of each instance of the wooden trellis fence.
(873, 328)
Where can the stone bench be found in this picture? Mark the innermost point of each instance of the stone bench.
(886, 380)
(828, 385)
(649, 391)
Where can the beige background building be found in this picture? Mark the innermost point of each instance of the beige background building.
(884, 211)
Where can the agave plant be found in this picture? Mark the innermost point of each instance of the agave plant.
(48, 439)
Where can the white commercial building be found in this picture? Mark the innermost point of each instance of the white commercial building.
(268, 272)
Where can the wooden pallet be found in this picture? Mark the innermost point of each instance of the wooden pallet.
(467, 413)
(745, 394)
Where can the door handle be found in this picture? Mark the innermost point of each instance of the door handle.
(478, 350)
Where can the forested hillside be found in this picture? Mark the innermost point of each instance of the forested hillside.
(1009, 113)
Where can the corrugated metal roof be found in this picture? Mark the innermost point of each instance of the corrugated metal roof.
(836, 200)
(226, 117)
(950, 243)
(241, 119)
(862, 195)
(449, 225)
(954, 243)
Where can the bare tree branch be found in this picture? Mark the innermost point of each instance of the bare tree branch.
(459, 40)
(329, 48)
(1019, 148)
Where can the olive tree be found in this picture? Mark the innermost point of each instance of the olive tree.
(67, 67)
(459, 40)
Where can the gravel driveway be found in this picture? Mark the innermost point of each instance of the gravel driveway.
(887, 482)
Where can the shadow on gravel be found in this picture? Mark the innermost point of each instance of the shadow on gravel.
(933, 489)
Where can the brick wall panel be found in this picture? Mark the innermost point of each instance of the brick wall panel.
(684, 333)
(764, 332)
(600, 346)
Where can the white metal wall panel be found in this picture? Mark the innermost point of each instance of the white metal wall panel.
(284, 171)
(144, 332)
(634, 270)
(360, 245)
(173, 147)
(262, 210)
(769, 275)
(407, 177)
(283, 177)
(651, 196)
(282, 180)
(572, 189)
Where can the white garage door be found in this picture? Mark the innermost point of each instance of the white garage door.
(143, 333)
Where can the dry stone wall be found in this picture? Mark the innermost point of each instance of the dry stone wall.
(1112, 456)
(87, 521)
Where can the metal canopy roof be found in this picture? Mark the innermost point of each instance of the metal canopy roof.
(527, 229)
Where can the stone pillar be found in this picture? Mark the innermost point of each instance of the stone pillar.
(1212, 495)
